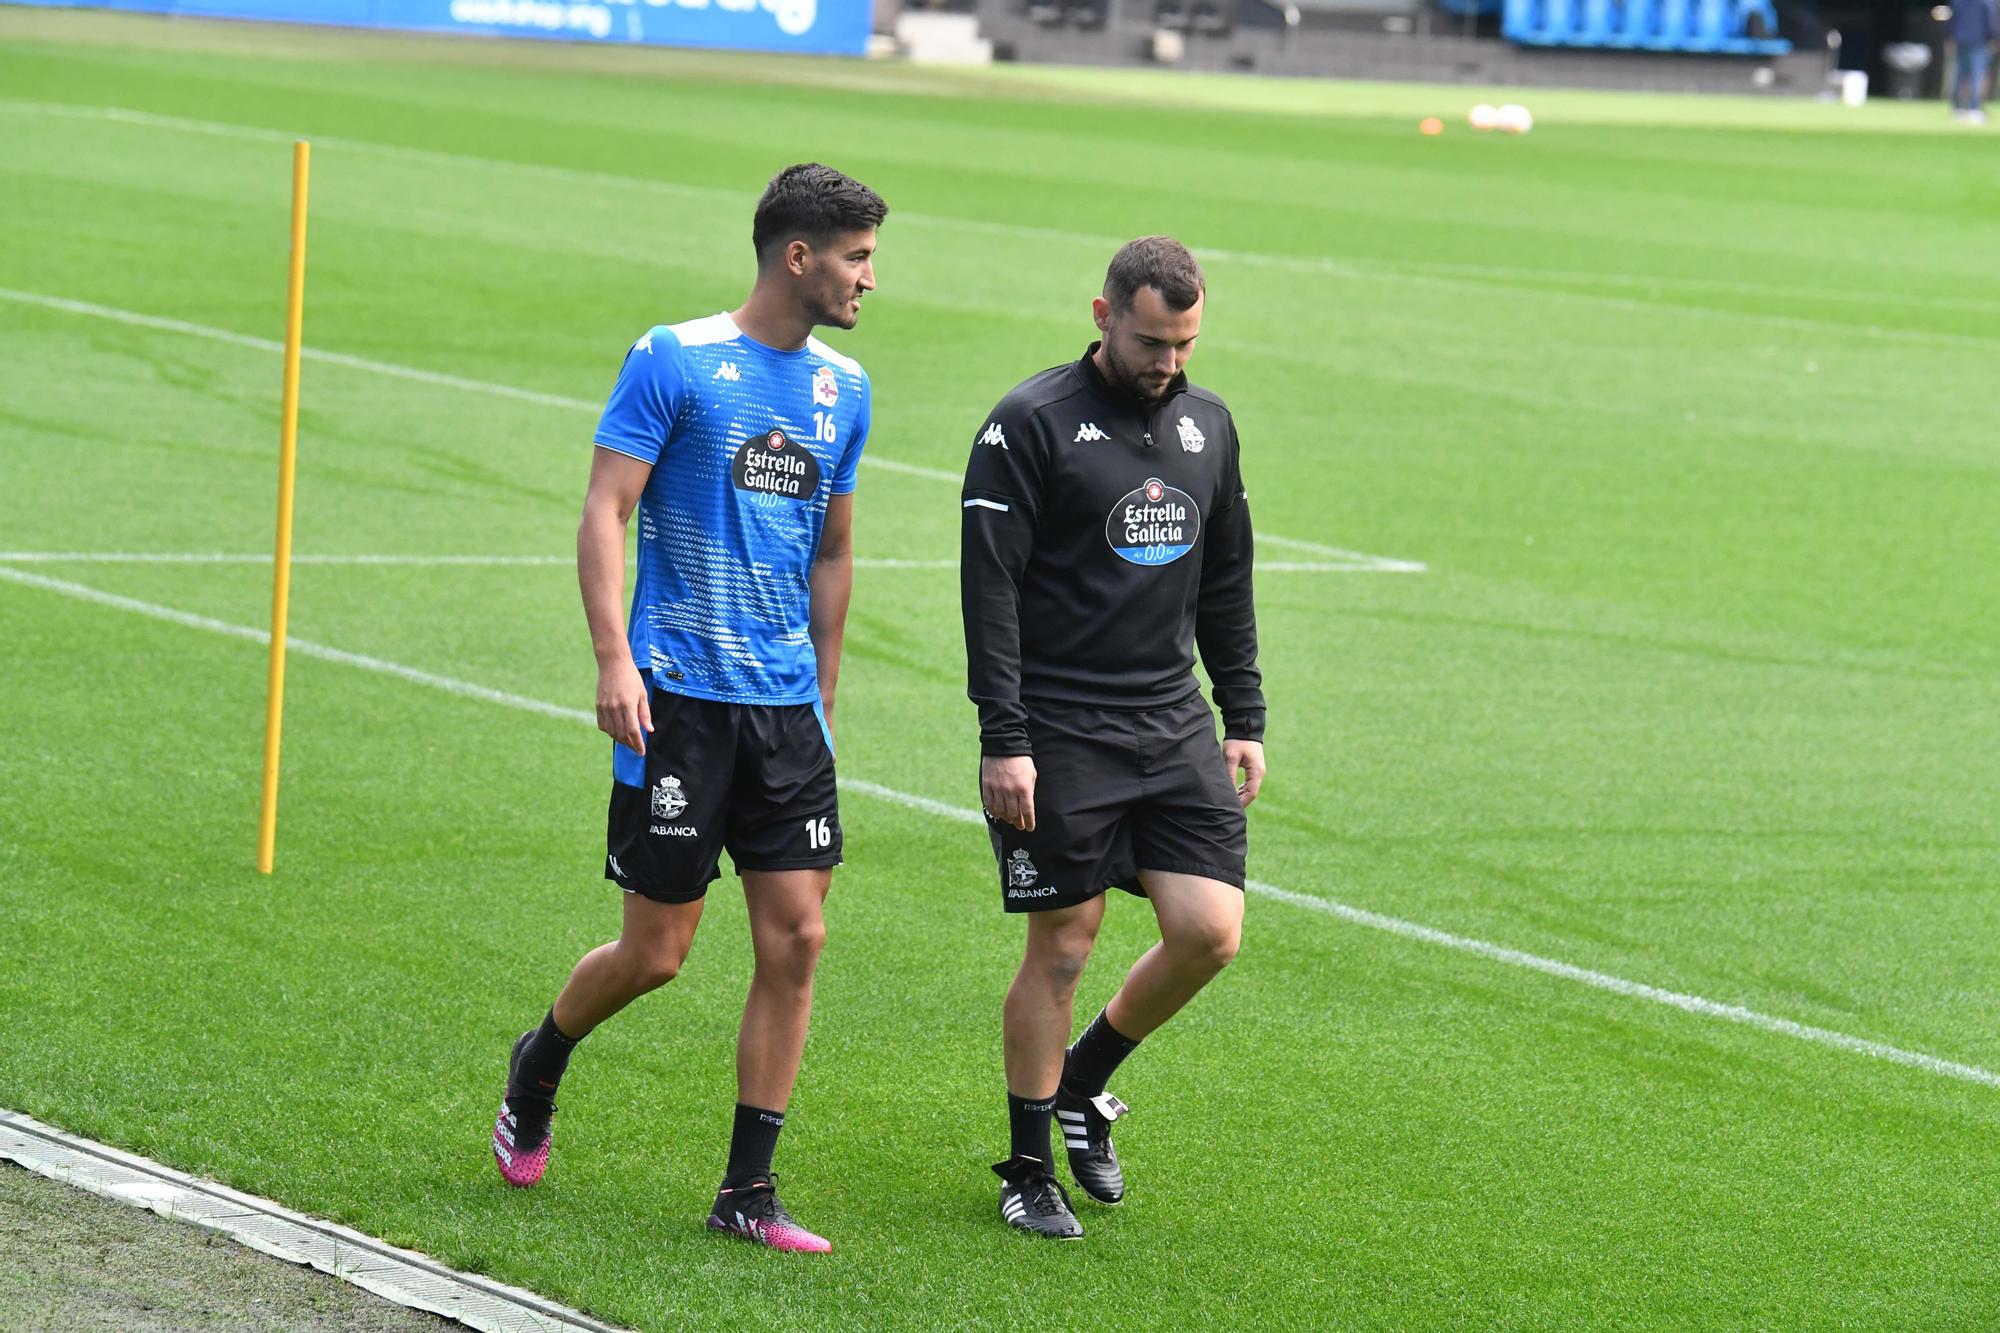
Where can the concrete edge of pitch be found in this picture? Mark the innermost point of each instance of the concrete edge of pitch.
(402, 1276)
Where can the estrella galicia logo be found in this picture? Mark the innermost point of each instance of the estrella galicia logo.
(773, 464)
(1154, 525)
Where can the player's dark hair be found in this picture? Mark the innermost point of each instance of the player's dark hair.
(1159, 262)
(814, 204)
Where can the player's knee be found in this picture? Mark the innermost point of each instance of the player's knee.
(1059, 957)
(793, 947)
(654, 969)
(1208, 946)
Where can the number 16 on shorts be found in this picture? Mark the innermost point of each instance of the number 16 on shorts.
(819, 833)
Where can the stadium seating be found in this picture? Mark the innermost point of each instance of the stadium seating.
(1728, 27)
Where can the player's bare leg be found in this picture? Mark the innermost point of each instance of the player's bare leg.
(1201, 922)
(1041, 1003)
(648, 953)
(787, 930)
(1036, 1022)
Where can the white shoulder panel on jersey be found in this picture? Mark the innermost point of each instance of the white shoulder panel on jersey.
(846, 363)
(709, 329)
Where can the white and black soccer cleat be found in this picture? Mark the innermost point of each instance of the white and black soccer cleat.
(1086, 1129)
(1032, 1201)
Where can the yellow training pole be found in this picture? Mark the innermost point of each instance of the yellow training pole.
(288, 446)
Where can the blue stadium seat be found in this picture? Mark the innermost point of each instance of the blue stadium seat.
(1710, 20)
(1520, 21)
(1559, 22)
(1738, 38)
(1670, 30)
(1653, 25)
(1636, 25)
(1597, 24)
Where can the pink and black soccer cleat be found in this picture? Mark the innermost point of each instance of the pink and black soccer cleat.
(753, 1212)
(523, 1132)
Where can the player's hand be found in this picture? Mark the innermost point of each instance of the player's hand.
(623, 711)
(1007, 789)
(1246, 757)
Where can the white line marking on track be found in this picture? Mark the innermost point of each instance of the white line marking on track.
(1455, 276)
(1354, 562)
(1498, 953)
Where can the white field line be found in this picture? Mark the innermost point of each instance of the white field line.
(419, 561)
(1498, 953)
(1456, 276)
(1341, 561)
(1363, 566)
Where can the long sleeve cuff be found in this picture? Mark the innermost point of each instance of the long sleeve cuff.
(1244, 724)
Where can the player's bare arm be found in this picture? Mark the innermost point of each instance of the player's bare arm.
(832, 584)
(616, 482)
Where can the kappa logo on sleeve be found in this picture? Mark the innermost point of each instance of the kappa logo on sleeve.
(994, 435)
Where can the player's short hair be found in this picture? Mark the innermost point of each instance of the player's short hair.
(814, 204)
(1159, 262)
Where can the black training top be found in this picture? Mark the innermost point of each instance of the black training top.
(1103, 538)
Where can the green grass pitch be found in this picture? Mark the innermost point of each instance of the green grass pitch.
(1685, 408)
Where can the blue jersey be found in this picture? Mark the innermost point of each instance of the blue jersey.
(747, 445)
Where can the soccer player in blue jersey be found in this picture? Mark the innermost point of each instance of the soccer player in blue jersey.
(736, 437)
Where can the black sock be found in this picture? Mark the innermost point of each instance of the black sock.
(1028, 1122)
(544, 1058)
(1096, 1056)
(751, 1143)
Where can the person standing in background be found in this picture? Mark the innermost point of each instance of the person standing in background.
(1973, 26)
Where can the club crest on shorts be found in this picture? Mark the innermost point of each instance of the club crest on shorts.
(1021, 872)
(1154, 525)
(668, 798)
(1192, 439)
(826, 389)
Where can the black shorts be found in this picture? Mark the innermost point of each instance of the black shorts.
(1116, 793)
(756, 779)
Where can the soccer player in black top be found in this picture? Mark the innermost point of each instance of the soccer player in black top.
(1105, 536)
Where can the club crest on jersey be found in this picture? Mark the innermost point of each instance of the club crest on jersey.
(774, 464)
(826, 389)
(1021, 871)
(668, 798)
(1192, 439)
(1154, 525)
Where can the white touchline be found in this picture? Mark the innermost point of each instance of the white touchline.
(382, 560)
(1498, 953)
(1362, 563)
(386, 561)
(1413, 272)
